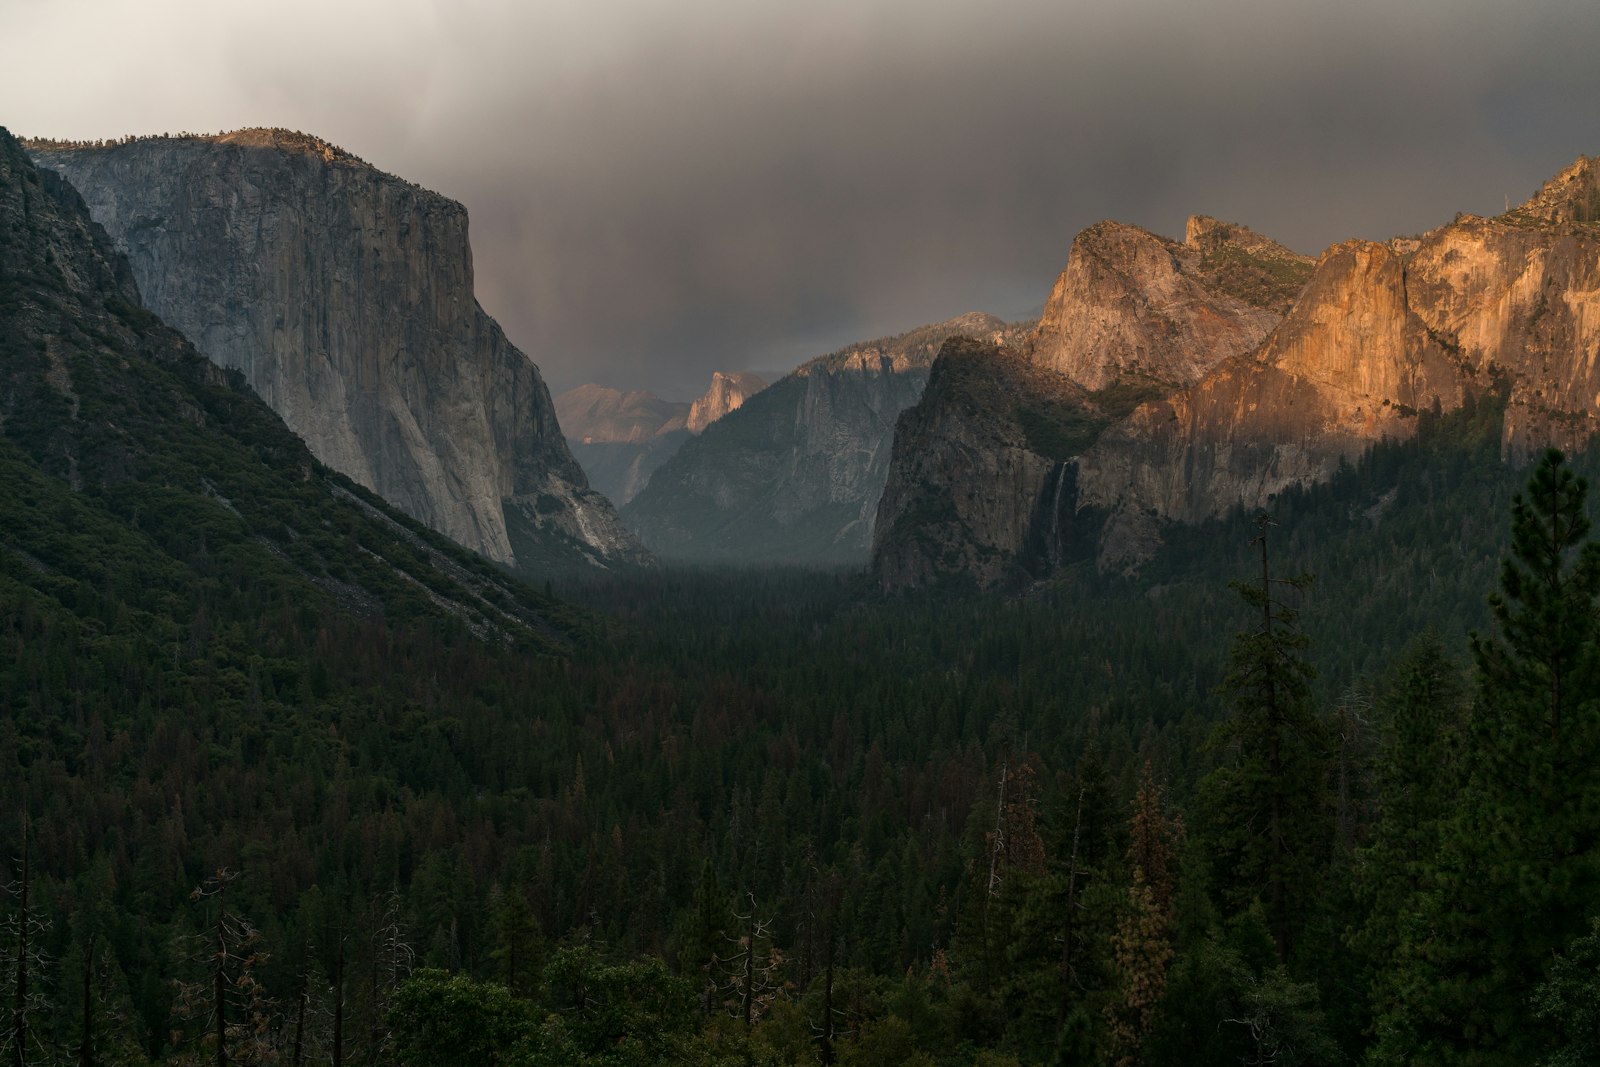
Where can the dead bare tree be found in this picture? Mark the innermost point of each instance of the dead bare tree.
(753, 967)
(21, 963)
(229, 1006)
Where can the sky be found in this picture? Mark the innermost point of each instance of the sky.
(660, 190)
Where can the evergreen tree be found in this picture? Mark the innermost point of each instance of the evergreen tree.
(1267, 806)
(1142, 944)
(1570, 999)
(1420, 779)
(1521, 847)
(515, 940)
(702, 934)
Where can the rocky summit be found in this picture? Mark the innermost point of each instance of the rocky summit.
(726, 394)
(344, 296)
(1228, 369)
(984, 482)
(1132, 305)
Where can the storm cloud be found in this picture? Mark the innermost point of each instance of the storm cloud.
(659, 190)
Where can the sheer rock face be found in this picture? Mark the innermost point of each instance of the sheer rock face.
(794, 474)
(1131, 304)
(987, 469)
(983, 483)
(727, 393)
(1380, 333)
(1519, 297)
(1351, 364)
(345, 297)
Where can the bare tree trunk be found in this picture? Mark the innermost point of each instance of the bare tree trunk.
(86, 1042)
(749, 964)
(338, 1005)
(300, 1025)
(222, 985)
(19, 1035)
(826, 1043)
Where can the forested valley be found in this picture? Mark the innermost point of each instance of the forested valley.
(779, 817)
(292, 779)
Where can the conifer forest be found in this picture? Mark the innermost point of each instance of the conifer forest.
(1313, 787)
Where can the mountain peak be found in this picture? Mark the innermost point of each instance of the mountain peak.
(1210, 236)
(728, 392)
(1572, 196)
(1133, 305)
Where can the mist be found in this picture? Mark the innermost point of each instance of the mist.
(659, 191)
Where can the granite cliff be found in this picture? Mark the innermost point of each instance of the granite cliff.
(149, 493)
(1380, 333)
(1133, 306)
(1507, 305)
(726, 394)
(344, 296)
(981, 484)
(984, 481)
(794, 474)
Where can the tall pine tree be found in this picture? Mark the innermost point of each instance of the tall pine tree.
(1267, 805)
(1516, 875)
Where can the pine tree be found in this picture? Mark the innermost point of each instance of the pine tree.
(516, 941)
(1267, 806)
(1142, 945)
(702, 934)
(1518, 860)
(1420, 779)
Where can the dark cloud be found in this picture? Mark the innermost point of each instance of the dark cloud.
(661, 190)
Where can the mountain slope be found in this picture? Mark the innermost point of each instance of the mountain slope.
(984, 483)
(1381, 334)
(594, 413)
(794, 475)
(344, 296)
(146, 491)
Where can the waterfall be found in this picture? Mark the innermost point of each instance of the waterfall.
(1054, 546)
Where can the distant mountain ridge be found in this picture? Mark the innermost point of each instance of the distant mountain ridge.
(1200, 418)
(345, 297)
(620, 438)
(594, 413)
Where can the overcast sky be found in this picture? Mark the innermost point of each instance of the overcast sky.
(658, 190)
